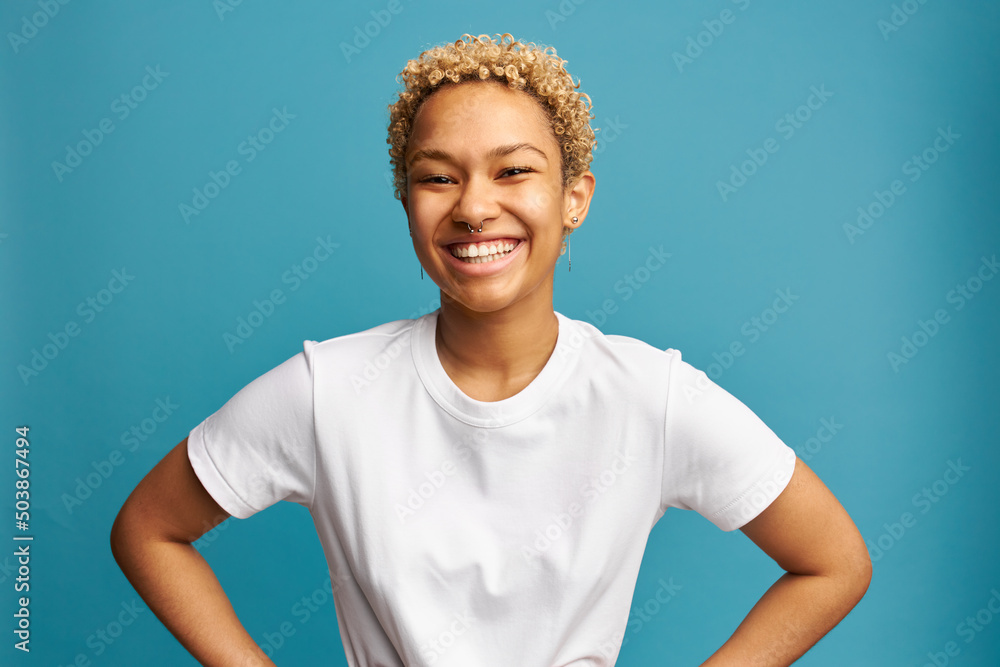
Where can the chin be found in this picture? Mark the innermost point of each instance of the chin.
(478, 299)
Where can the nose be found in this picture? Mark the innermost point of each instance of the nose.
(476, 204)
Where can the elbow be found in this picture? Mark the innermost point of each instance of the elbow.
(122, 535)
(863, 573)
(857, 573)
(117, 538)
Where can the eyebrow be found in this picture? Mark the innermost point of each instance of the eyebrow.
(498, 152)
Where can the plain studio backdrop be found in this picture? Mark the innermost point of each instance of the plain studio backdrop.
(802, 199)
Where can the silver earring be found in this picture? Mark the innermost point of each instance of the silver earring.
(569, 247)
(475, 231)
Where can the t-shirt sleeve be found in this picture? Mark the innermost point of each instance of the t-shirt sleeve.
(720, 459)
(259, 447)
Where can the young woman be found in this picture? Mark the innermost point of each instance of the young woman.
(485, 498)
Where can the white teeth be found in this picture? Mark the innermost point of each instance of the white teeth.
(478, 254)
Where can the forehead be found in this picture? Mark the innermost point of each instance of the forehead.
(479, 109)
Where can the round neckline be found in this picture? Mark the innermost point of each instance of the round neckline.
(488, 414)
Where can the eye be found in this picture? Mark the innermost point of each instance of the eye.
(516, 171)
(437, 179)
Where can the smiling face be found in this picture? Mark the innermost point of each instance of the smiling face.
(482, 154)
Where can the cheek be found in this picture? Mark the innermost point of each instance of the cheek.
(539, 207)
(540, 202)
(426, 211)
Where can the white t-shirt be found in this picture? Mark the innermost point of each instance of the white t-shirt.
(461, 532)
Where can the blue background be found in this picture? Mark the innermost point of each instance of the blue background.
(671, 130)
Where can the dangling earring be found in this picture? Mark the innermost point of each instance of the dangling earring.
(569, 247)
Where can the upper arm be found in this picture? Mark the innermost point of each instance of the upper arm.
(807, 531)
(169, 504)
(720, 459)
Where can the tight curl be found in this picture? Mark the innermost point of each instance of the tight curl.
(522, 66)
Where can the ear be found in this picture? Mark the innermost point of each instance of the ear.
(577, 198)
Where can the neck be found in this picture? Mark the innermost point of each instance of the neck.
(492, 356)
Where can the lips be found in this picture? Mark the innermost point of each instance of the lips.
(483, 251)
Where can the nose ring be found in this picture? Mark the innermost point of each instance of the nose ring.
(475, 231)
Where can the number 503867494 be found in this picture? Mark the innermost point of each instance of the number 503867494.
(23, 471)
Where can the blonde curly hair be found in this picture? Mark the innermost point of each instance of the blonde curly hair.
(524, 66)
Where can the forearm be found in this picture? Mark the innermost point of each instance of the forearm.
(794, 614)
(180, 588)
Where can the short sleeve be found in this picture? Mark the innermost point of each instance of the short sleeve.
(259, 448)
(720, 459)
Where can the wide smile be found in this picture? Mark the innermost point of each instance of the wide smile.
(478, 253)
(483, 257)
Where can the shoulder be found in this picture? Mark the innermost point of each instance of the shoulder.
(623, 359)
(585, 336)
(372, 340)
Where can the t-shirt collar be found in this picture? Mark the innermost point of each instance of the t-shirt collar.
(496, 413)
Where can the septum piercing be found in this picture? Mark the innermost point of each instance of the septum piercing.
(475, 231)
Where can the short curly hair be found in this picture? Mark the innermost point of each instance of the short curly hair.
(524, 66)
